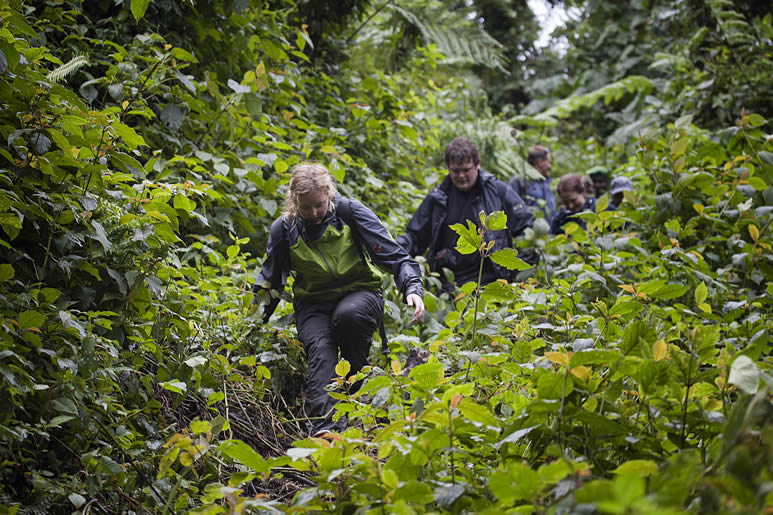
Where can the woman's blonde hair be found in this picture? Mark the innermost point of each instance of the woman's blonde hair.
(307, 177)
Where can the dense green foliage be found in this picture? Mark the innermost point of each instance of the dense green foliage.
(146, 149)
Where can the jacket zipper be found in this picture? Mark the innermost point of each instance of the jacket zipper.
(314, 246)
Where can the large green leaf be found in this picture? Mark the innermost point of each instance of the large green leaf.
(244, 454)
(509, 259)
(594, 357)
(415, 492)
(496, 221)
(6, 272)
(427, 375)
(478, 413)
(31, 318)
(744, 374)
(469, 238)
(518, 482)
(553, 385)
(138, 8)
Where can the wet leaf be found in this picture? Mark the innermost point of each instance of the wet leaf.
(244, 454)
(745, 374)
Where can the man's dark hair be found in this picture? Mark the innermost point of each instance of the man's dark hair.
(572, 182)
(536, 153)
(461, 150)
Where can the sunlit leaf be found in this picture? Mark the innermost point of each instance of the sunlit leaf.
(754, 232)
(679, 146)
(128, 134)
(496, 221)
(701, 292)
(427, 375)
(6, 272)
(138, 8)
(659, 350)
(469, 239)
(342, 368)
(554, 385)
(581, 372)
(560, 358)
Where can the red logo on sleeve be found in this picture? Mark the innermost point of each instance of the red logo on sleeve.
(377, 248)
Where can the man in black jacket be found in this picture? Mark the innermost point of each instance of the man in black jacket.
(461, 196)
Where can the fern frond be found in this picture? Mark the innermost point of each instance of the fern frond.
(733, 25)
(457, 40)
(537, 120)
(68, 68)
(609, 93)
(675, 62)
(625, 132)
(698, 38)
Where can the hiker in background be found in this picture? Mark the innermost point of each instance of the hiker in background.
(589, 186)
(332, 245)
(619, 185)
(599, 176)
(571, 190)
(462, 195)
(537, 193)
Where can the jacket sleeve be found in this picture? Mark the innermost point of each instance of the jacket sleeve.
(557, 224)
(385, 251)
(519, 216)
(419, 231)
(273, 275)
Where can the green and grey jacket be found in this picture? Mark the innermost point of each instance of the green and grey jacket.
(344, 254)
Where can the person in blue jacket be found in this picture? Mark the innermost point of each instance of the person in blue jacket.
(335, 247)
(571, 189)
(463, 193)
(537, 193)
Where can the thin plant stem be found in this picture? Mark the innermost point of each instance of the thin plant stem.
(477, 297)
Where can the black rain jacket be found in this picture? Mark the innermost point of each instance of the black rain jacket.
(423, 230)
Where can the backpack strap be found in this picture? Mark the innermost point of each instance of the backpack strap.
(344, 211)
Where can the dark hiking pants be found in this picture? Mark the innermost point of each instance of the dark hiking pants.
(324, 328)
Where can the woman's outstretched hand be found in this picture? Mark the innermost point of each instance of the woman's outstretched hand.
(418, 306)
